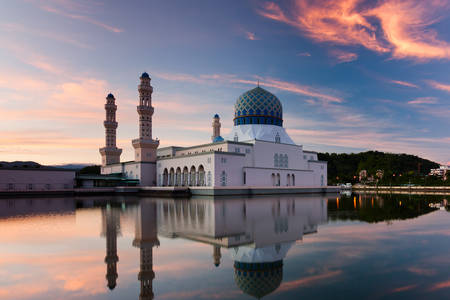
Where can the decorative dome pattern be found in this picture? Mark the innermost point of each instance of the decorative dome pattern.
(145, 75)
(258, 106)
(258, 279)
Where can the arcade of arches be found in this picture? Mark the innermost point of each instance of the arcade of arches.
(185, 177)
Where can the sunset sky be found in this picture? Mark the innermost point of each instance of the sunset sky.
(351, 75)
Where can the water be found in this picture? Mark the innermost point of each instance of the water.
(289, 247)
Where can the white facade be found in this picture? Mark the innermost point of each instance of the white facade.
(257, 153)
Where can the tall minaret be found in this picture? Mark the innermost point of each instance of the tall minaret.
(146, 237)
(145, 146)
(111, 228)
(216, 127)
(110, 153)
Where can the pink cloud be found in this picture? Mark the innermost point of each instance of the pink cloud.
(404, 83)
(81, 18)
(250, 36)
(304, 54)
(423, 100)
(439, 86)
(343, 56)
(404, 30)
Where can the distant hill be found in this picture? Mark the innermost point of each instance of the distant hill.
(35, 165)
(343, 167)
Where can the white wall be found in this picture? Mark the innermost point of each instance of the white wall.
(41, 180)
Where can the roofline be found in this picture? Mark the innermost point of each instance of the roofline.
(218, 143)
(201, 153)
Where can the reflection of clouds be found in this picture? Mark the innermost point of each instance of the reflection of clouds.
(404, 288)
(422, 271)
(308, 280)
(440, 285)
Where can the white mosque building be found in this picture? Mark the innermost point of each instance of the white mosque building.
(258, 152)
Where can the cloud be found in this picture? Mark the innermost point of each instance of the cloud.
(73, 6)
(423, 100)
(250, 36)
(326, 276)
(19, 28)
(343, 56)
(398, 27)
(404, 288)
(439, 86)
(292, 87)
(440, 285)
(404, 83)
(304, 54)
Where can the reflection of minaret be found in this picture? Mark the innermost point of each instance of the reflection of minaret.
(146, 238)
(111, 228)
(216, 255)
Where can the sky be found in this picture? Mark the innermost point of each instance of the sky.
(352, 75)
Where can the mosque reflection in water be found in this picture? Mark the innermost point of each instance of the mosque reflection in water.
(259, 232)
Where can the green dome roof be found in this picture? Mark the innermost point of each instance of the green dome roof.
(258, 279)
(258, 106)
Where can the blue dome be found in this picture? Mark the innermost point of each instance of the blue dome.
(110, 96)
(145, 75)
(218, 139)
(216, 116)
(258, 106)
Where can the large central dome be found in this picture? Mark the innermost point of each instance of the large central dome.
(258, 106)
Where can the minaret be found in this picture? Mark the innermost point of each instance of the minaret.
(145, 146)
(216, 255)
(111, 228)
(146, 237)
(216, 127)
(110, 153)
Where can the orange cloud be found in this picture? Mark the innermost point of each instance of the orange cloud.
(439, 86)
(392, 26)
(404, 288)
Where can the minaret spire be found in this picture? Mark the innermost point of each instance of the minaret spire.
(145, 146)
(110, 153)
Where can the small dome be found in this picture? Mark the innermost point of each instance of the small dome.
(145, 75)
(216, 116)
(110, 96)
(218, 139)
(258, 279)
(258, 106)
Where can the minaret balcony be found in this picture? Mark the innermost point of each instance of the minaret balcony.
(144, 109)
(110, 124)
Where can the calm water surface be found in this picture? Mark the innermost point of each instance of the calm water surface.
(289, 247)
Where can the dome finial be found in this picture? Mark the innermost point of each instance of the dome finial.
(258, 82)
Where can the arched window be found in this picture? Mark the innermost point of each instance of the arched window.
(275, 160)
(245, 178)
(278, 179)
(293, 179)
(209, 178)
(321, 180)
(236, 139)
(288, 179)
(286, 161)
(277, 138)
(223, 179)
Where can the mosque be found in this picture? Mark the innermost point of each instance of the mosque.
(258, 152)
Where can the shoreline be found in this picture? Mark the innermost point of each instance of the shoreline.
(418, 190)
